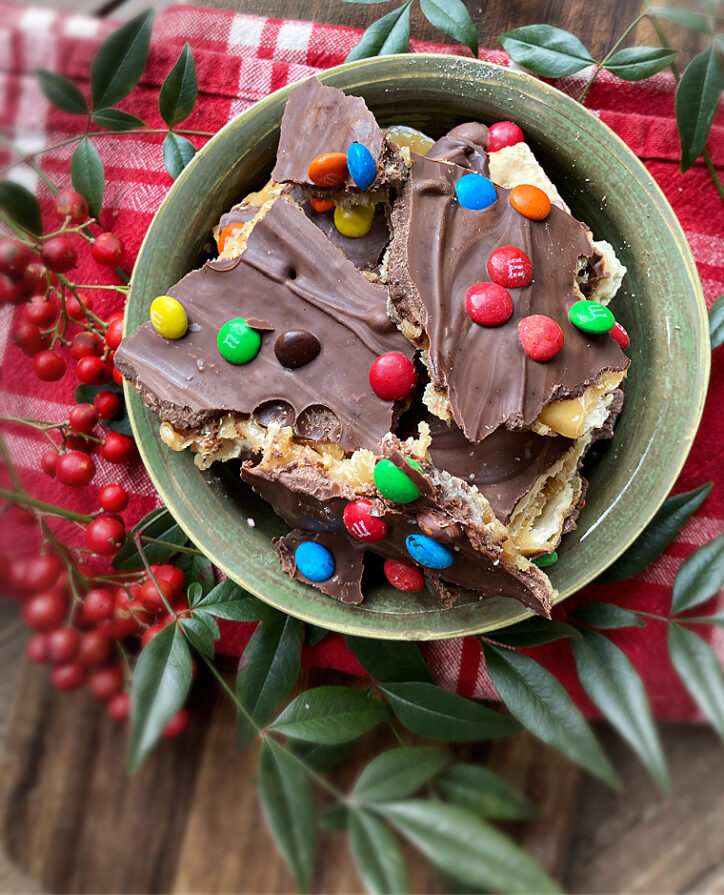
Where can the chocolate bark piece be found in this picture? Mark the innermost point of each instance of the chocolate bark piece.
(345, 584)
(319, 119)
(290, 275)
(439, 249)
(465, 145)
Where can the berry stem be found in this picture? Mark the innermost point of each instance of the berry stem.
(28, 159)
(150, 573)
(602, 63)
(47, 508)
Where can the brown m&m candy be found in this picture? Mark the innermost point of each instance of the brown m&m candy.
(296, 347)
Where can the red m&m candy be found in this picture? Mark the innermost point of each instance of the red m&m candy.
(540, 336)
(393, 376)
(488, 304)
(509, 266)
(361, 524)
(620, 335)
(404, 576)
(503, 133)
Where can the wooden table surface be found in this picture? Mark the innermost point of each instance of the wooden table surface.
(71, 821)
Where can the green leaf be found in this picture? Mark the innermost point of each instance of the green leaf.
(333, 818)
(86, 394)
(453, 18)
(228, 600)
(699, 668)
(459, 843)
(541, 704)
(546, 50)
(637, 63)
(607, 615)
(162, 527)
(716, 322)
(201, 631)
(197, 570)
(268, 670)
(116, 120)
(685, 17)
(330, 715)
(313, 635)
(433, 712)
(22, 206)
(180, 89)
(88, 175)
(615, 687)
(161, 682)
(321, 757)
(483, 792)
(61, 92)
(697, 99)
(390, 660)
(120, 423)
(377, 855)
(533, 632)
(399, 773)
(288, 808)
(716, 619)
(367, 2)
(390, 34)
(699, 576)
(118, 65)
(177, 153)
(658, 534)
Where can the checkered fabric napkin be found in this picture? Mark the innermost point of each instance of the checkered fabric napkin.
(241, 59)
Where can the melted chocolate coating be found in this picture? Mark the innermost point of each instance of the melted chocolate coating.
(440, 249)
(290, 274)
(465, 145)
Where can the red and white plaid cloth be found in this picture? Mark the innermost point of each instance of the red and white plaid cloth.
(241, 59)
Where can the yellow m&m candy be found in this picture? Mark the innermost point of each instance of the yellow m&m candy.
(168, 317)
(354, 222)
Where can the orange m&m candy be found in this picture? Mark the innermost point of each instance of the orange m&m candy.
(530, 201)
(328, 169)
(229, 232)
(321, 205)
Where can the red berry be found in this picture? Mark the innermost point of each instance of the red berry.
(127, 601)
(59, 254)
(68, 677)
(404, 576)
(178, 723)
(74, 307)
(92, 370)
(114, 333)
(98, 604)
(69, 204)
(108, 249)
(488, 304)
(41, 573)
(117, 448)
(113, 498)
(393, 376)
(83, 417)
(150, 633)
(119, 625)
(79, 443)
(30, 340)
(94, 649)
(14, 257)
(40, 311)
(107, 403)
(620, 335)
(36, 649)
(75, 468)
(86, 344)
(509, 266)
(106, 682)
(49, 366)
(172, 575)
(63, 645)
(119, 708)
(540, 336)
(361, 524)
(117, 376)
(12, 291)
(48, 462)
(36, 278)
(45, 612)
(152, 599)
(503, 133)
(105, 535)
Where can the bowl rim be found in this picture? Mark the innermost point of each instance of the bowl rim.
(635, 167)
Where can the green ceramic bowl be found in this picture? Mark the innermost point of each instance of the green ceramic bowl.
(660, 304)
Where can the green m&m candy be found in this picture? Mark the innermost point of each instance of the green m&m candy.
(238, 342)
(546, 560)
(591, 317)
(393, 484)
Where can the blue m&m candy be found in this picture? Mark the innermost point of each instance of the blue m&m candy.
(361, 165)
(428, 552)
(314, 561)
(475, 191)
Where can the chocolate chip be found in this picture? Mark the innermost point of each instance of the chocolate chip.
(296, 347)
